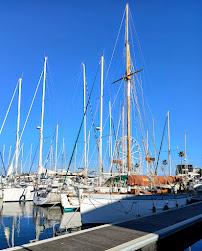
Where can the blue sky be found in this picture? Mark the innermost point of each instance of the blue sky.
(72, 32)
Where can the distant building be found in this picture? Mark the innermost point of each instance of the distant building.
(181, 169)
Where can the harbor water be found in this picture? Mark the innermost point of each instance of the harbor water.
(22, 223)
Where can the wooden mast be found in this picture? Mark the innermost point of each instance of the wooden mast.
(128, 78)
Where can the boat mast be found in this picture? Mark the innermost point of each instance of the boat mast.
(42, 117)
(128, 78)
(185, 158)
(30, 159)
(18, 127)
(101, 113)
(123, 142)
(56, 148)
(2, 166)
(147, 154)
(169, 143)
(22, 157)
(84, 125)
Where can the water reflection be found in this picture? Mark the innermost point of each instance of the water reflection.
(25, 222)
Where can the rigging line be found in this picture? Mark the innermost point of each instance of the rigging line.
(31, 105)
(77, 83)
(143, 98)
(133, 47)
(81, 125)
(28, 113)
(28, 155)
(51, 79)
(34, 156)
(160, 147)
(9, 108)
(138, 43)
(115, 46)
(92, 156)
(92, 116)
(115, 145)
(143, 61)
(112, 105)
(140, 124)
(105, 154)
(46, 161)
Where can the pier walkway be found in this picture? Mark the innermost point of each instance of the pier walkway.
(146, 233)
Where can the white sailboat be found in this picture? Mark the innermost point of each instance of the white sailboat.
(12, 190)
(124, 199)
(47, 195)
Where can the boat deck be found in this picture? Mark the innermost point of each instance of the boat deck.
(141, 233)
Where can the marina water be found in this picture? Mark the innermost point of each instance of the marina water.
(22, 223)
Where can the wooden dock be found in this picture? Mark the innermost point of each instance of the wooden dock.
(155, 232)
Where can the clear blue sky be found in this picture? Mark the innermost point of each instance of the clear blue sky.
(72, 32)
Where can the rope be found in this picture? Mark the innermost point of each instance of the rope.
(34, 157)
(8, 109)
(49, 149)
(81, 125)
(92, 116)
(160, 147)
(31, 105)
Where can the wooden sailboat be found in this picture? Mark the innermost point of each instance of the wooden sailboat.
(110, 204)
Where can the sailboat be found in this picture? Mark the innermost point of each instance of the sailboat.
(14, 191)
(130, 195)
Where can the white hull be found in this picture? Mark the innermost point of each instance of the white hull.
(46, 199)
(108, 208)
(16, 194)
(69, 203)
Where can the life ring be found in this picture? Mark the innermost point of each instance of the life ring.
(22, 198)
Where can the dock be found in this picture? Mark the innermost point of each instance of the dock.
(168, 230)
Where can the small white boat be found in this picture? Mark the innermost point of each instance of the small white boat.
(46, 197)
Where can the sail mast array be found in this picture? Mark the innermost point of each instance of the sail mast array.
(128, 78)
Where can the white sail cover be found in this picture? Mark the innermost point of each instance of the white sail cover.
(41, 170)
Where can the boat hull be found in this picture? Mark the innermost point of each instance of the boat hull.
(17, 194)
(46, 199)
(108, 208)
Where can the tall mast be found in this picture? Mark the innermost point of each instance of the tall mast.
(56, 148)
(128, 78)
(169, 143)
(101, 113)
(147, 152)
(42, 117)
(110, 132)
(2, 167)
(18, 127)
(123, 142)
(84, 125)
(30, 159)
(154, 139)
